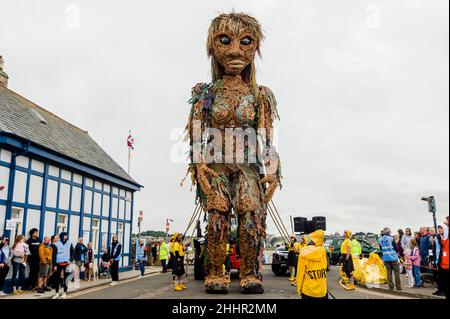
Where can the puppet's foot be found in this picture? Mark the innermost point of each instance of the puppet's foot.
(217, 284)
(251, 285)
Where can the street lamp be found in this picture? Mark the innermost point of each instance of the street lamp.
(140, 218)
(431, 208)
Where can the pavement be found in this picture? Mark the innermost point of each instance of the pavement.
(421, 293)
(82, 285)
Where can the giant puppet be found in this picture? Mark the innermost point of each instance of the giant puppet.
(231, 183)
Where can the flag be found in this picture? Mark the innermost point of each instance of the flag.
(168, 224)
(130, 141)
(141, 216)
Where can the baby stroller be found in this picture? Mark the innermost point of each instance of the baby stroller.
(103, 268)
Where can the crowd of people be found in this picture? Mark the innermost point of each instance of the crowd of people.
(424, 252)
(52, 262)
(421, 254)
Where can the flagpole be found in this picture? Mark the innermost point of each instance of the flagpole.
(129, 159)
(129, 154)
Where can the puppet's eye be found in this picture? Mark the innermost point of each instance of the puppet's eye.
(224, 40)
(246, 41)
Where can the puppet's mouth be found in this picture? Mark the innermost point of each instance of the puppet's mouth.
(236, 63)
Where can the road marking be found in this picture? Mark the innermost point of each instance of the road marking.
(94, 289)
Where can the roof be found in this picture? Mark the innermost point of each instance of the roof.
(25, 119)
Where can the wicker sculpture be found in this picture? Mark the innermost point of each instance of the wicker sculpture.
(230, 182)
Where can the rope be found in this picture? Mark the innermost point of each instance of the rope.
(276, 222)
(279, 223)
(34, 289)
(332, 296)
(276, 210)
(194, 215)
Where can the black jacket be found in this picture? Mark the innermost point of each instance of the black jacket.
(33, 245)
(80, 249)
(111, 249)
(54, 253)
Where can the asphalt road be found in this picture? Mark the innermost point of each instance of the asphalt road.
(159, 286)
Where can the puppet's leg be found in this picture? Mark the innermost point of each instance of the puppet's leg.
(250, 280)
(218, 235)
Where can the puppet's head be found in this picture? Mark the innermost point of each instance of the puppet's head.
(233, 41)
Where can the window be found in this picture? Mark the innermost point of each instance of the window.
(61, 225)
(120, 232)
(17, 216)
(95, 233)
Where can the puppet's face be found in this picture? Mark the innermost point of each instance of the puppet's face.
(234, 51)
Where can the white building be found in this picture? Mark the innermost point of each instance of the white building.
(56, 178)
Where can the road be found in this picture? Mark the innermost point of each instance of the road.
(158, 286)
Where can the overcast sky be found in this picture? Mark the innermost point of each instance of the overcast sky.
(362, 89)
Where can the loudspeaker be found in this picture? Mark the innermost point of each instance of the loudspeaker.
(300, 224)
(310, 226)
(320, 222)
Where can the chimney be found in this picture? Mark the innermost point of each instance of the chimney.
(3, 76)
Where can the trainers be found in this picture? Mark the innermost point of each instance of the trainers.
(40, 290)
(2, 294)
(47, 288)
(113, 283)
(178, 288)
(350, 287)
(64, 295)
(56, 296)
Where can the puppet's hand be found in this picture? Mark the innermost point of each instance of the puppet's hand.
(270, 190)
(204, 173)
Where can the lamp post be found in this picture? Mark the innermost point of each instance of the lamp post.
(431, 208)
(140, 218)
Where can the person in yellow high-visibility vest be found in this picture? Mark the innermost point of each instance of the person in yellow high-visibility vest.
(227, 265)
(347, 267)
(178, 262)
(312, 268)
(292, 257)
(356, 248)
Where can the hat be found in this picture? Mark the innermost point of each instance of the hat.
(317, 237)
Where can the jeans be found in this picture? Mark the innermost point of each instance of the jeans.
(142, 267)
(3, 273)
(417, 279)
(34, 271)
(393, 266)
(18, 269)
(58, 280)
(164, 265)
(114, 269)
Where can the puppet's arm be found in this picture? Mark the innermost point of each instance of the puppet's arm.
(267, 114)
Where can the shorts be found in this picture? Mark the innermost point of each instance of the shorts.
(79, 263)
(44, 270)
(347, 265)
(292, 259)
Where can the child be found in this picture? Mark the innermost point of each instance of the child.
(415, 258)
(408, 265)
(26, 250)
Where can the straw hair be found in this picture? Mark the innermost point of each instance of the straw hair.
(234, 23)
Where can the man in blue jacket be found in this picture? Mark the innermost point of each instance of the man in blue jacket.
(114, 252)
(390, 258)
(425, 246)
